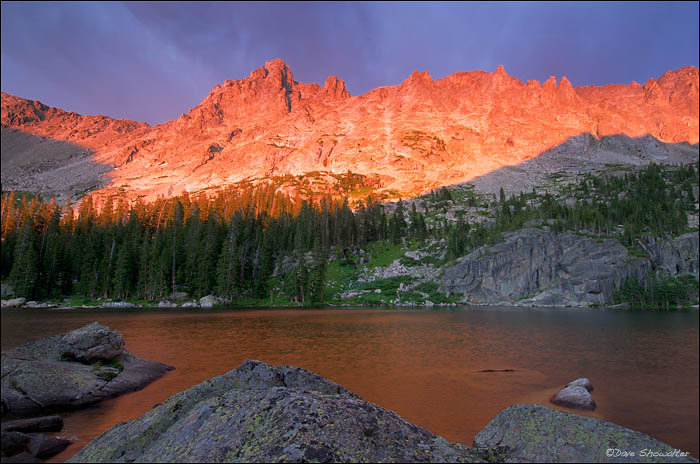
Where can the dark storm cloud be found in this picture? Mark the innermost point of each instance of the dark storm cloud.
(152, 61)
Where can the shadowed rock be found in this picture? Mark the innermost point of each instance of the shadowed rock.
(43, 446)
(38, 377)
(23, 457)
(13, 443)
(35, 424)
(536, 433)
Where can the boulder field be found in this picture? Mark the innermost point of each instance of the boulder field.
(262, 413)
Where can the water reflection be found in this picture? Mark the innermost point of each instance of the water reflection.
(422, 364)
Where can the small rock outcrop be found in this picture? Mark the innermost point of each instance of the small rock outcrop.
(536, 433)
(56, 374)
(210, 301)
(91, 343)
(575, 397)
(261, 413)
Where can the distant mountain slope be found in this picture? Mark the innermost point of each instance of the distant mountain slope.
(412, 137)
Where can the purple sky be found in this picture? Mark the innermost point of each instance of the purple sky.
(152, 61)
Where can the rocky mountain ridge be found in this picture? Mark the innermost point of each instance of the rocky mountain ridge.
(412, 137)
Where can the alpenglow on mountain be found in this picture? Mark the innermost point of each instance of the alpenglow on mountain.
(405, 139)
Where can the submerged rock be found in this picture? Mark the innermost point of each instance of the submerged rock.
(53, 374)
(536, 433)
(262, 413)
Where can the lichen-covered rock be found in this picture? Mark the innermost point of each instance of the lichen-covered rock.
(536, 433)
(93, 342)
(38, 377)
(262, 413)
(574, 396)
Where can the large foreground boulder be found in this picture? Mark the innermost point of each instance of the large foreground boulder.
(66, 372)
(262, 413)
(536, 433)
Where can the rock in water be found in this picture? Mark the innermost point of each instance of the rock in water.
(42, 446)
(35, 424)
(573, 396)
(91, 343)
(262, 413)
(536, 433)
(582, 382)
(45, 375)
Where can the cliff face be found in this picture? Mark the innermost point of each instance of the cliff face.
(414, 136)
(538, 267)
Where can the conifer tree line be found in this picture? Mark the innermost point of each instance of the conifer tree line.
(653, 201)
(228, 244)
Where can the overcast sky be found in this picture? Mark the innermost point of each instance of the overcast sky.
(152, 61)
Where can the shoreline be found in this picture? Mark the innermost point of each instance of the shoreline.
(53, 305)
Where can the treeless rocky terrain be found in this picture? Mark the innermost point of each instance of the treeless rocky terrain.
(409, 138)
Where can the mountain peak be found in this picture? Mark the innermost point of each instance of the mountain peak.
(415, 136)
(335, 87)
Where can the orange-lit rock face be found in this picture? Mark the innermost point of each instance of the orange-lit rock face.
(414, 136)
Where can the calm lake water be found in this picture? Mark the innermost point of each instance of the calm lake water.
(423, 364)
